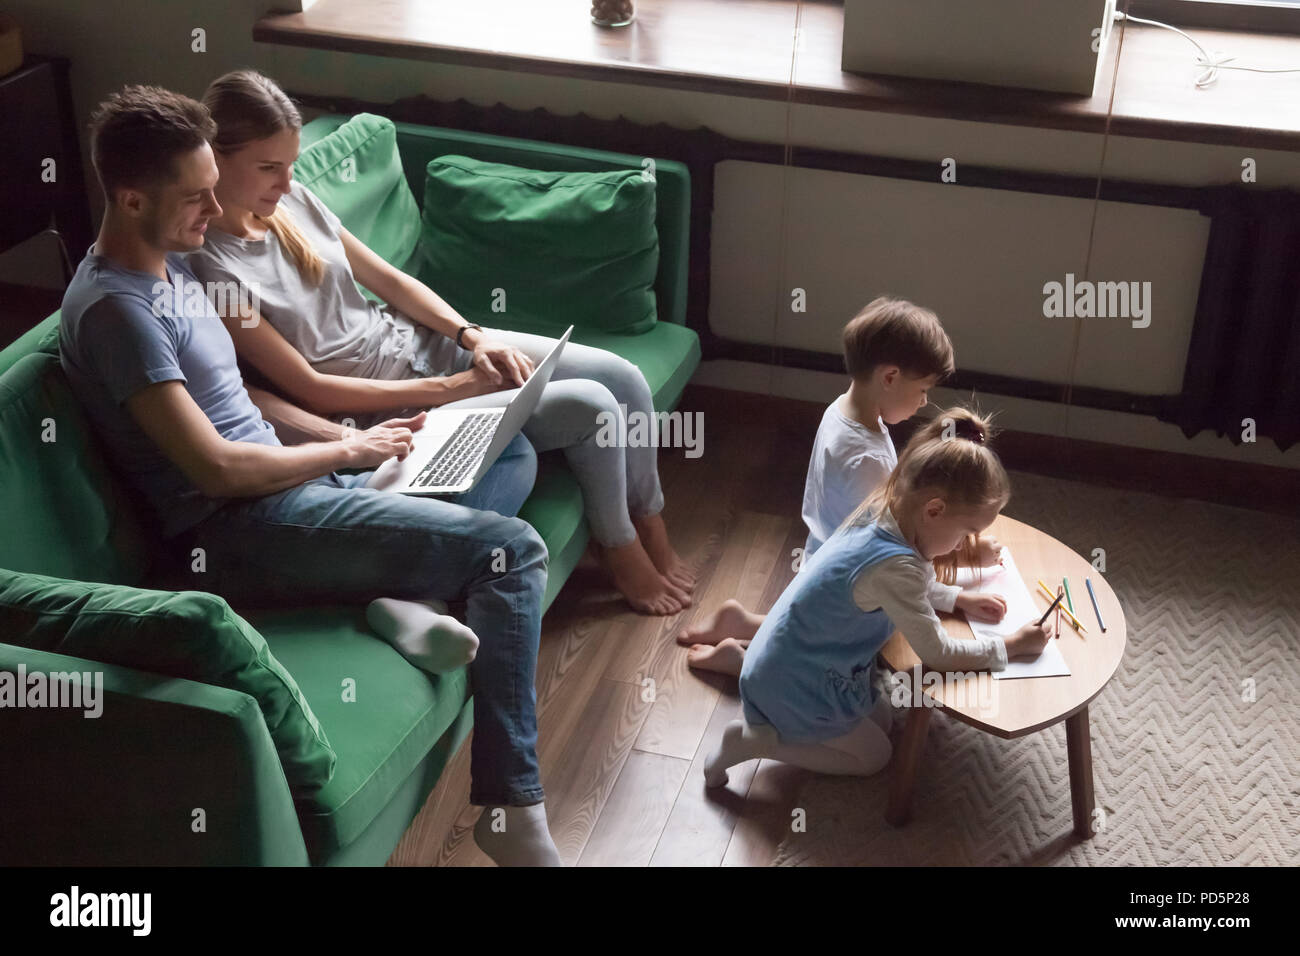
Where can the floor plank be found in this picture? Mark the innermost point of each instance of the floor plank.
(766, 814)
(686, 698)
(624, 725)
(635, 813)
(702, 821)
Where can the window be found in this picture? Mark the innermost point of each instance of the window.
(1260, 16)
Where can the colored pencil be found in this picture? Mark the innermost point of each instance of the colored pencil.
(1078, 624)
(1096, 609)
(1050, 609)
(1060, 593)
(1069, 598)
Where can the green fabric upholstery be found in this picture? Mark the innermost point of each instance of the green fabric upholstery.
(397, 715)
(667, 356)
(42, 337)
(419, 145)
(557, 248)
(357, 172)
(62, 511)
(187, 634)
(127, 788)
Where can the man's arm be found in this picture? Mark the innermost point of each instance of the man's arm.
(231, 469)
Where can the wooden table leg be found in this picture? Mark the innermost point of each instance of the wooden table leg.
(907, 760)
(1078, 745)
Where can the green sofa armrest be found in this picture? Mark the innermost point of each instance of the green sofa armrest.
(122, 788)
(33, 340)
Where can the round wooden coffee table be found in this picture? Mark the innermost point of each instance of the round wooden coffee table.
(1014, 708)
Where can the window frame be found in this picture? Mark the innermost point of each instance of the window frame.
(1220, 15)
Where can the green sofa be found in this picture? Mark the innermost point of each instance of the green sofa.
(124, 788)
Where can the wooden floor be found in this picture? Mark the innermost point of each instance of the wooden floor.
(624, 724)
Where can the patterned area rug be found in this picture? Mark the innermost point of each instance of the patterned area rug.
(1187, 771)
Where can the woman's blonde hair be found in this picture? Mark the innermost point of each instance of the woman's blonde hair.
(248, 107)
(949, 457)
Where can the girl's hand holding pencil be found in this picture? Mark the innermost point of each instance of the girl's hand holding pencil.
(1029, 641)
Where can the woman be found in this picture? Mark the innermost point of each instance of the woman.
(334, 350)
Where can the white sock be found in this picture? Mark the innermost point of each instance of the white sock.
(516, 836)
(740, 741)
(423, 633)
(862, 752)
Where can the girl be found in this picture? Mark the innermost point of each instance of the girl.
(336, 351)
(806, 684)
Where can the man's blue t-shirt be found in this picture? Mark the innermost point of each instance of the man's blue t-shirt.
(123, 330)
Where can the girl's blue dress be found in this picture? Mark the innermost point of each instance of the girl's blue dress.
(809, 669)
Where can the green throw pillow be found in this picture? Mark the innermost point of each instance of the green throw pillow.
(563, 248)
(188, 634)
(357, 172)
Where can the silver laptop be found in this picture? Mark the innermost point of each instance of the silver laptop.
(459, 442)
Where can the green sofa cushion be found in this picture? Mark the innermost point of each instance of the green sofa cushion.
(564, 247)
(667, 356)
(381, 736)
(62, 512)
(357, 172)
(187, 634)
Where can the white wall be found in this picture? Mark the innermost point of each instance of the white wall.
(148, 41)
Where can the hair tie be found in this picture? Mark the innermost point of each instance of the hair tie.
(970, 430)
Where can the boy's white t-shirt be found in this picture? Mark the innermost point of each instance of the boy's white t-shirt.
(849, 461)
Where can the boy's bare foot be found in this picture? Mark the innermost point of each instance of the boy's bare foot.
(654, 537)
(636, 577)
(732, 620)
(725, 657)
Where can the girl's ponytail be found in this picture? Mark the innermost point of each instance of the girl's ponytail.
(951, 457)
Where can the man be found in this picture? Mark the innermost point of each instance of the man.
(158, 377)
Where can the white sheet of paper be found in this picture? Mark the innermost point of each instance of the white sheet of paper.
(1021, 610)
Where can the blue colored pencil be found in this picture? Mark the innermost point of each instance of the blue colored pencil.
(1095, 608)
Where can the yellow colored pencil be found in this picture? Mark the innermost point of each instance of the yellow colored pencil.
(1078, 624)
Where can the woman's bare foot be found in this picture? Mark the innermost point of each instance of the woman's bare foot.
(731, 620)
(725, 657)
(635, 575)
(654, 537)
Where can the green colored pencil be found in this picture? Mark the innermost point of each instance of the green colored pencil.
(1069, 601)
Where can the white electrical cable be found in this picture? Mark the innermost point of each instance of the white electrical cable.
(1212, 64)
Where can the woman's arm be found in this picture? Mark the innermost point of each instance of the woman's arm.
(505, 365)
(257, 341)
(293, 425)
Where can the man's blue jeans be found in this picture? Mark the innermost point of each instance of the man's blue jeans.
(331, 539)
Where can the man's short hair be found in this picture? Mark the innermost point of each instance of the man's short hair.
(137, 134)
(890, 331)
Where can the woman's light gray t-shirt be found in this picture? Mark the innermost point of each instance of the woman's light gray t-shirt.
(332, 325)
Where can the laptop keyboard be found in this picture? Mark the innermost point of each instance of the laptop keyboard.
(461, 452)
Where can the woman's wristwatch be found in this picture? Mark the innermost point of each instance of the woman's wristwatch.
(463, 330)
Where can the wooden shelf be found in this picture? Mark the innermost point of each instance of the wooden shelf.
(746, 48)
